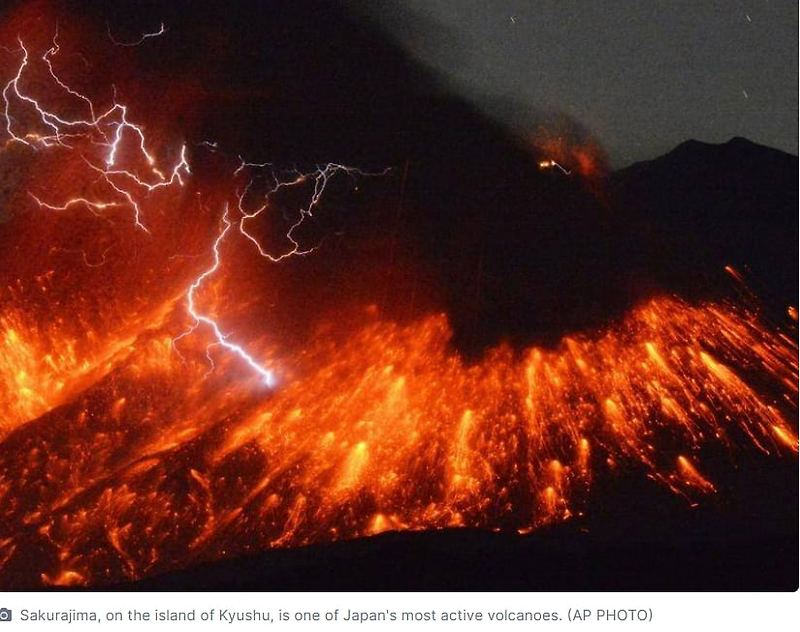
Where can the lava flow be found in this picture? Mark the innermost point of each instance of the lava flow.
(150, 420)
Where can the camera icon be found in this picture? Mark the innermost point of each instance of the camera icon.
(5, 614)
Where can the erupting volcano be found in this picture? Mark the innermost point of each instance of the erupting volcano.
(174, 391)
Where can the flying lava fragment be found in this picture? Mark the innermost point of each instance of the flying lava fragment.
(149, 420)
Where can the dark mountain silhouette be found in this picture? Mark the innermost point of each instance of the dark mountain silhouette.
(468, 222)
(679, 219)
(702, 206)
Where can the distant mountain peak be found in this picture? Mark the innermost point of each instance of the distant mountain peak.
(738, 149)
(734, 141)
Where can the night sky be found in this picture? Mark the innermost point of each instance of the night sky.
(641, 76)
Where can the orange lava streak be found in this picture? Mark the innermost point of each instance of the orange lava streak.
(41, 366)
(120, 458)
(387, 429)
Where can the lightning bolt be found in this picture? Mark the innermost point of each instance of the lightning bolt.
(319, 178)
(145, 36)
(221, 338)
(107, 130)
(110, 130)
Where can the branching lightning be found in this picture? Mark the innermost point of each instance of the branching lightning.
(221, 339)
(319, 179)
(109, 131)
(384, 428)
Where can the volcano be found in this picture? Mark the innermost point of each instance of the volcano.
(319, 323)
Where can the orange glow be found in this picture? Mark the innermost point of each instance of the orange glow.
(569, 155)
(734, 273)
(388, 429)
(129, 448)
(691, 476)
(786, 437)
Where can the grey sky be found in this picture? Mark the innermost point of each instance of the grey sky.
(642, 76)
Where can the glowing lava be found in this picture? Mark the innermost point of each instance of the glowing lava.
(123, 455)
